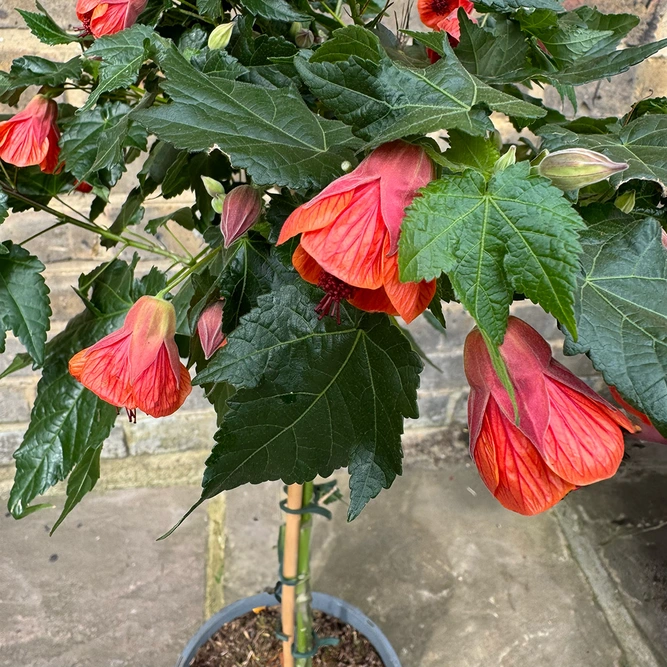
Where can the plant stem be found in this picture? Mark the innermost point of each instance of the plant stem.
(290, 568)
(304, 607)
(96, 229)
(187, 271)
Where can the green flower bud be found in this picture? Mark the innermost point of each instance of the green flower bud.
(507, 160)
(295, 29)
(219, 38)
(626, 201)
(574, 168)
(213, 187)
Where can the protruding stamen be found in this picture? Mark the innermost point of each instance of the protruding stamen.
(131, 415)
(336, 290)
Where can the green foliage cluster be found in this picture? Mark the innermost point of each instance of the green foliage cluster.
(297, 396)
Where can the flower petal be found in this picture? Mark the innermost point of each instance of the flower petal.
(583, 443)
(373, 301)
(159, 393)
(513, 469)
(408, 299)
(306, 266)
(351, 248)
(104, 369)
(318, 213)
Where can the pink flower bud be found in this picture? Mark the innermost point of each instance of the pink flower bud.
(240, 211)
(209, 328)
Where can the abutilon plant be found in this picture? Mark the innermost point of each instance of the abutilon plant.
(344, 178)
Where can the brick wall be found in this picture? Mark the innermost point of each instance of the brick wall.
(443, 394)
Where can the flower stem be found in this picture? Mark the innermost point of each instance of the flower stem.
(96, 229)
(304, 607)
(187, 271)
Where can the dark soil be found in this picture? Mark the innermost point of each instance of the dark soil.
(250, 641)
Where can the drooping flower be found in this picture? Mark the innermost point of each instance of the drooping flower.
(443, 15)
(349, 234)
(567, 435)
(241, 209)
(31, 136)
(209, 328)
(138, 365)
(107, 17)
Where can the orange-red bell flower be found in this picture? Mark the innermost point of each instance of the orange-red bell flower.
(567, 436)
(31, 136)
(138, 365)
(106, 17)
(443, 15)
(349, 234)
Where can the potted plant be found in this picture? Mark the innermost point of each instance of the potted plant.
(327, 208)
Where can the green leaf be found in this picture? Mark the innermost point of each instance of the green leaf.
(45, 28)
(36, 71)
(620, 308)
(514, 5)
(313, 396)
(497, 55)
(352, 40)
(122, 55)
(67, 419)
(24, 299)
(212, 8)
(251, 271)
(515, 233)
(94, 139)
(384, 101)
(81, 481)
(295, 147)
(182, 216)
(642, 143)
(605, 66)
(465, 152)
(218, 64)
(4, 211)
(275, 10)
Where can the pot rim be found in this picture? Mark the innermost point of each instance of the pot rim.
(328, 604)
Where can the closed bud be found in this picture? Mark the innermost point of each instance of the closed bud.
(219, 38)
(626, 201)
(209, 328)
(506, 160)
(240, 211)
(574, 168)
(304, 39)
(295, 28)
(213, 187)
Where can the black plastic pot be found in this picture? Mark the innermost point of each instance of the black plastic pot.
(321, 602)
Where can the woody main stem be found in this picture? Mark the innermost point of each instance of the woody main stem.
(290, 568)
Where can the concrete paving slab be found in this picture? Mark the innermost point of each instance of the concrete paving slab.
(624, 522)
(453, 579)
(102, 592)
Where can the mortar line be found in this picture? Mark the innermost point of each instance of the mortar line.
(214, 599)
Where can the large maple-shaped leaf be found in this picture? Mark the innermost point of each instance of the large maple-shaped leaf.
(312, 397)
(24, 299)
(642, 143)
(382, 100)
(621, 308)
(271, 133)
(68, 419)
(515, 232)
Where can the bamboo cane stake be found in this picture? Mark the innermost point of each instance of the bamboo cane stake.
(290, 563)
